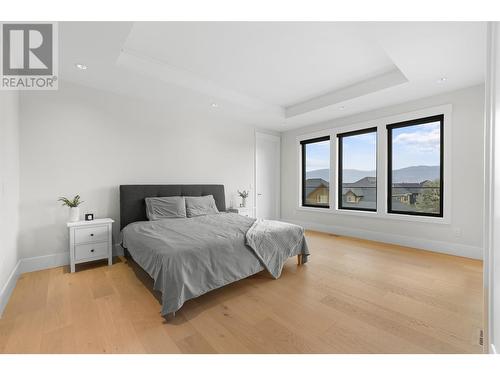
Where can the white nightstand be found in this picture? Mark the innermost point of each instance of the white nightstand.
(90, 240)
(244, 211)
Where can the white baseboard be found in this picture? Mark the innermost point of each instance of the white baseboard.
(493, 350)
(44, 262)
(54, 260)
(8, 288)
(415, 242)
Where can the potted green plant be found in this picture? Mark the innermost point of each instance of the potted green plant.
(244, 195)
(74, 210)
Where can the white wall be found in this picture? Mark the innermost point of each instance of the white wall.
(463, 236)
(85, 141)
(9, 191)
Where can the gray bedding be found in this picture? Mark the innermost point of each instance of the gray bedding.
(274, 242)
(192, 256)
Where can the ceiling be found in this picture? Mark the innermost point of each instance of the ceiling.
(276, 75)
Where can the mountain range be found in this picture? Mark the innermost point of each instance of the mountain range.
(409, 174)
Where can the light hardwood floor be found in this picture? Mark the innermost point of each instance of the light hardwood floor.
(353, 296)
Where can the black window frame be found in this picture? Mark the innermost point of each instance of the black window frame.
(403, 124)
(303, 144)
(340, 137)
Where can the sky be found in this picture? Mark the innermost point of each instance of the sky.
(412, 146)
(360, 152)
(318, 156)
(415, 145)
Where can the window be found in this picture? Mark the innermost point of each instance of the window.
(316, 172)
(415, 167)
(358, 170)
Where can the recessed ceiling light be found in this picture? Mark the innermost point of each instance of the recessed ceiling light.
(81, 66)
(442, 80)
(214, 105)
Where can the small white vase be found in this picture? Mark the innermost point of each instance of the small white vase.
(74, 214)
(243, 202)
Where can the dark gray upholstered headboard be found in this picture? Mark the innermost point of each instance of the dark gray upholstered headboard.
(133, 206)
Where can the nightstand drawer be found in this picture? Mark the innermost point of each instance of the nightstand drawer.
(92, 234)
(91, 250)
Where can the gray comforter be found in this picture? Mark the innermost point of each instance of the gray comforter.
(192, 256)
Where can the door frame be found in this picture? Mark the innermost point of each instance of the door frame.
(274, 138)
(491, 160)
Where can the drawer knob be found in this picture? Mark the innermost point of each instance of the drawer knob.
(91, 234)
(92, 250)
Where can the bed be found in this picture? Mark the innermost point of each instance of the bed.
(187, 257)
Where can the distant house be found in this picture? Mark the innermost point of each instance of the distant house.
(407, 192)
(407, 198)
(360, 194)
(317, 191)
(363, 193)
(351, 197)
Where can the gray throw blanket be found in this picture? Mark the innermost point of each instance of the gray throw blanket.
(274, 242)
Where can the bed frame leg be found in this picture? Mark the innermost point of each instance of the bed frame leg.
(299, 260)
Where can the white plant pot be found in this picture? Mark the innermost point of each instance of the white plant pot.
(243, 202)
(74, 214)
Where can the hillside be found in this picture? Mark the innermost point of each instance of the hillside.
(410, 174)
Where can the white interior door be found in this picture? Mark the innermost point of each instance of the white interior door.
(267, 176)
